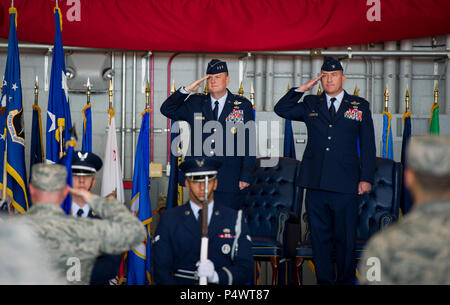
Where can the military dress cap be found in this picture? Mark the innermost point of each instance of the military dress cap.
(331, 64)
(48, 177)
(216, 66)
(429, 154)
(85, 163)
(198, 167)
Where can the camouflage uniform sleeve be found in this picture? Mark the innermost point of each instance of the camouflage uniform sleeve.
(118, 229)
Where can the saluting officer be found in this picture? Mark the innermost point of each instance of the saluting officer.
(176, 245)
(84, 167)
(331, 170)
(221, 140)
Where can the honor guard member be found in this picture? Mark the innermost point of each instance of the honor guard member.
(84, 167)
(331, 170)
(74, 243)
(176, 245)
(221, 116)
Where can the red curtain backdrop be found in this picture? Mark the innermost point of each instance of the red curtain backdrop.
(227, 25)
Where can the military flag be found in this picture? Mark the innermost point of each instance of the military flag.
(36, 149)
(17, 187)
(387, 147)
(175, 189)
(87, 121)
(405, 196)
(66, 161)
(58, 114)
(434, 120)
(139, 260)
(112, 183)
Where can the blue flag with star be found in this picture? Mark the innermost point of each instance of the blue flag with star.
(58, 114)
(139, 260)
(387, 147)
(17, 187)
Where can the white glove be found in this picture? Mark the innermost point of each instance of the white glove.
(206, 269)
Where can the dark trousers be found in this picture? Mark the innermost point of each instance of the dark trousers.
(229, 199)
(333, 220)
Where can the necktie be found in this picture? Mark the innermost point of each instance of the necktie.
(332, 110)
(199, 218)
(80, 213)
(216, 109)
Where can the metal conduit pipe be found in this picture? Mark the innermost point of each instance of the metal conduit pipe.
(446, 103)
(405, 76)
(389, 74)
(269, 84)
(313, 52)
(259, 83)
(133, 111)
(123, 115)
(297, 81)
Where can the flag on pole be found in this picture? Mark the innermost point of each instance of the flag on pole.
(87, 128)
(139, 260)
(36, 149)
(58, 114)
(2, 130)
(434, 120)
(66, 161)
(17, 187)
(112, 182)
(289, 143)
(406, 201)
(387, 136)
(174, 196)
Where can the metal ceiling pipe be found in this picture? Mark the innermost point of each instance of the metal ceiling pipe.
(312, 52)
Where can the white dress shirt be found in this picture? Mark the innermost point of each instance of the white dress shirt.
(195, 208)
(76, 207)
(337, 102)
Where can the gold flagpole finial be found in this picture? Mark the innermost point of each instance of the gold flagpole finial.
(319, 90)
(436, 93)
(252, 95)
(147, 95)
(172, 89)
(241, 90)
(386, 99)
(407, 98)
(288, 88)
(356, 92)
(206, 90)
(110, 94)
(36, 91)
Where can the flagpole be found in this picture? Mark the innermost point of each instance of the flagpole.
(407, 99)
(5, 174)
(88, 92)
(386, 99)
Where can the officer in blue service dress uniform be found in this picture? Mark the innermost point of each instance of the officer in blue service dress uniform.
(84, 167)
(221, 116)
(331, 170)
(177, 240)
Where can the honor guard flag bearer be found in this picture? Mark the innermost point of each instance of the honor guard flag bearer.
(58, 114)
(17, 187)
